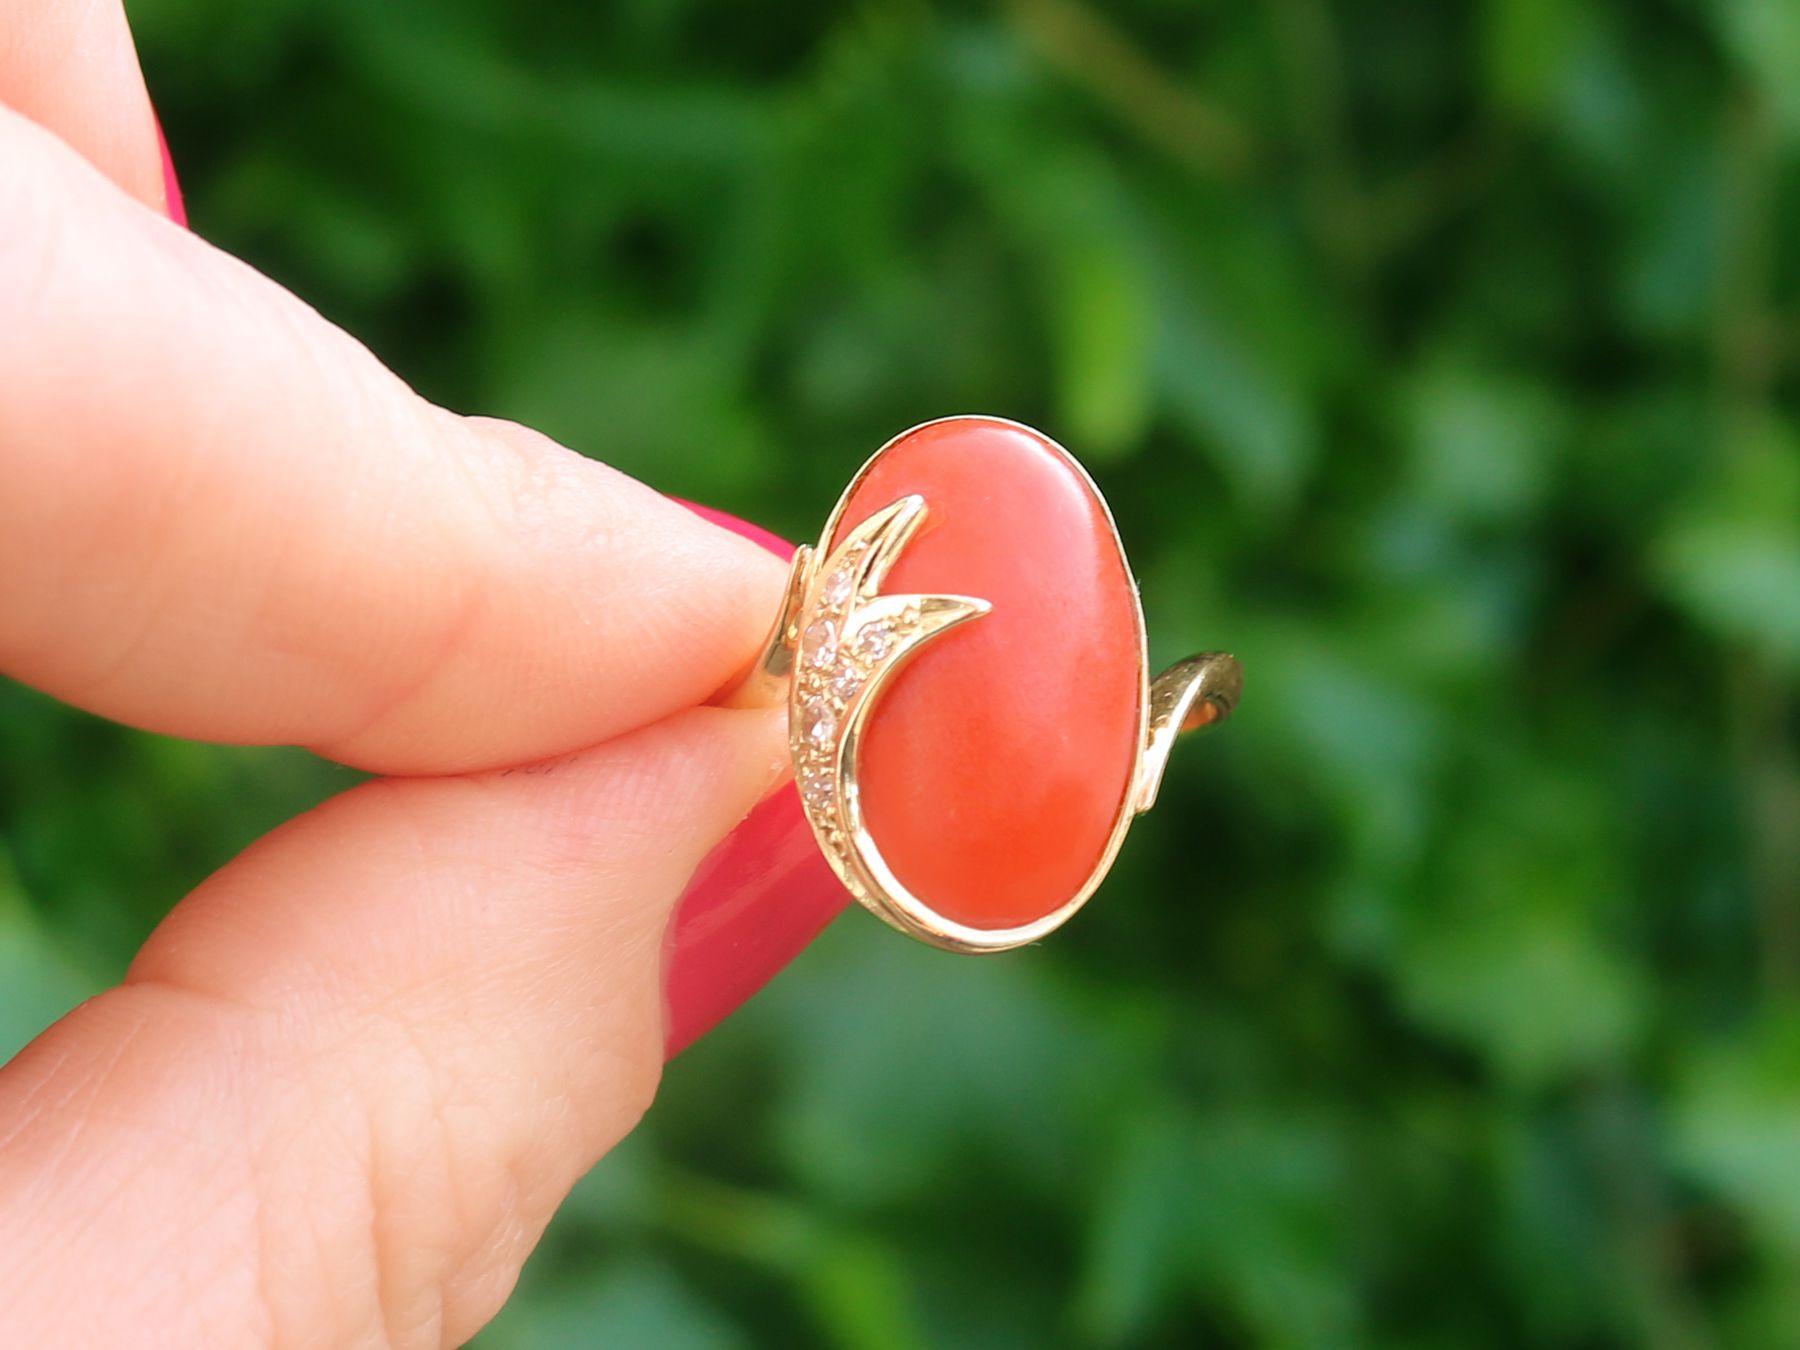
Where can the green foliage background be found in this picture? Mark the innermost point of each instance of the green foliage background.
(1439, 359)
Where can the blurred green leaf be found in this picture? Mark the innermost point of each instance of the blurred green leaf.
(1103, 321)
(1537, 995)
(1503, 950)
(1732, 557)
(1764, 36)
(1526, 48)
(1482, 444)
(1737, 1124)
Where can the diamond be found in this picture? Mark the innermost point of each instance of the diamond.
(876, 642)
(820, 641)
(838, 586)
(845, 682)
(822, 728)
(817, 786)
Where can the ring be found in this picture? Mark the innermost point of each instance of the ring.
(970, 713)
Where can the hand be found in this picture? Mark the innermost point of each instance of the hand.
(344, 1085)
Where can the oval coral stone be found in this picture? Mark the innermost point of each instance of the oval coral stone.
(997, 763)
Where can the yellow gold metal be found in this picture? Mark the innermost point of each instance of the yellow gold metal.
(1199, 691)
(838, 642)
(767, 683)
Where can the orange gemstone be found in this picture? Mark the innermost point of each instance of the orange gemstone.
(996, 765)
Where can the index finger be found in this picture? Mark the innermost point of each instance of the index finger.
(221, 517)
(71, 65)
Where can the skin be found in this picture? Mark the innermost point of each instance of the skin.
(345, 1084)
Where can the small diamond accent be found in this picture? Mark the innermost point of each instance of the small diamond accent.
(845, 683)
(876, 642)
(820, 640)
(838, 586)
(822, 728)
(817, 787)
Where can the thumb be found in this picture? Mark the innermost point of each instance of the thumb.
(348, 1080)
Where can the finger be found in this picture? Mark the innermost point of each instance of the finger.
(347, 1082)
(220, 517)
(71, 67)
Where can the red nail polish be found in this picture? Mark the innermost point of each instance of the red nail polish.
(171, 188)
(753, 905)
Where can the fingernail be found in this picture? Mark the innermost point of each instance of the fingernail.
(176, 208)
(754, 904)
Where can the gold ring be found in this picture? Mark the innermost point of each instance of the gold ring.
(963, 658)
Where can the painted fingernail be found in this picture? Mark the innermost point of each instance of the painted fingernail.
(176, 208)
(754, 904)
